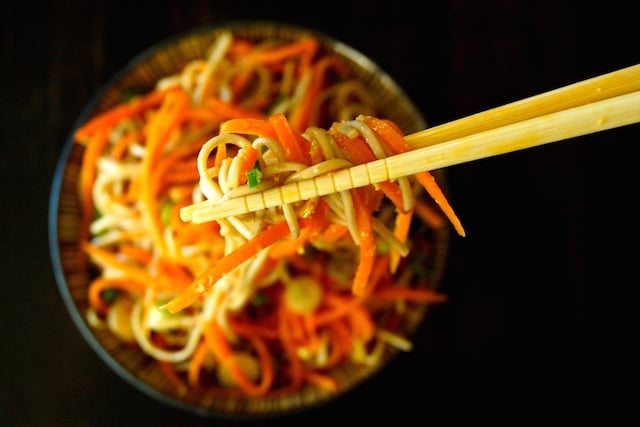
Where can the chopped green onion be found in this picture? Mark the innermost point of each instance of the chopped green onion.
(109, 295)
(165, 213)
(259, 299)
(254, 176)
(129, 94)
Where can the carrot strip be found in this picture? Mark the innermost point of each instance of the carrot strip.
(136, 253)
(249, 126)
(120, 147)
(401, 231)
(323, 381)
(203, 283)
(177, 277)
(428, 215)
(101, 284)
(361, 284)
(240, 48)
(248, 156)
(291, 247)
(296, 328)
(395, 140)
(357, 152)
(361, 323)
(295, 147)
(332, 233)
(161, 125)
(429, 183)
(340, 307)
(106, 259)
(380, 271)
(312, 331)
(220, 348)
(196, 363)
(260, 330)
(305, 48)
(134, 107)
(340, 344)
(300, 116)
(295, 365)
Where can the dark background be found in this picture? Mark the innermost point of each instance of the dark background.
(537, 288)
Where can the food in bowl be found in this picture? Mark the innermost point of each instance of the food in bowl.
(267, 311)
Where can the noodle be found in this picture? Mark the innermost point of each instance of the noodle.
(296, 284)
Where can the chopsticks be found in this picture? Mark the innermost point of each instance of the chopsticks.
(597, 104)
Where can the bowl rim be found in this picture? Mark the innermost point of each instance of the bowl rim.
(57, 188)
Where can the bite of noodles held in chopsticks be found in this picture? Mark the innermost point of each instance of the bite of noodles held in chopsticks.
(262, 303)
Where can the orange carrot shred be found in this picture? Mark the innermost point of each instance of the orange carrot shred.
(161, 125)
(203, 283)
(398, 144)
(361, 283)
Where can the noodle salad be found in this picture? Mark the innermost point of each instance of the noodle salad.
(264, 303)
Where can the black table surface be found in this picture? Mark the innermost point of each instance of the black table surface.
(536, 289)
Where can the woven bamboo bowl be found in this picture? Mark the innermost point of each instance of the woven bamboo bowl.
(73, 275)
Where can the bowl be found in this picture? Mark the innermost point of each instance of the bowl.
(74, 273)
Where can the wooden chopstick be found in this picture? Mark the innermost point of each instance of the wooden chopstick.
(609, 85)
(605, 102)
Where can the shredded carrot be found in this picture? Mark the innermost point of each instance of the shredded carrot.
(361, 285)
(301, 115)
(332, 233)
(396, 141)
(120, 147)
(401, 231)
(358, 152)
(288, 248)
(304, 48)
(311, 328)
(248, 156)
(323, 381)
(219, 346)
(249, 126)
(196, 363)
(160, 127)
(136, 253)
(295, 365)
(107, 259)
(134, 107)
(341, 341)
(429, 183)
(339, 308)
(428, 215)
(361, 324)
(202, 284)
(260, 330)
(101, 284)
(380, 273)
(296, 148)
